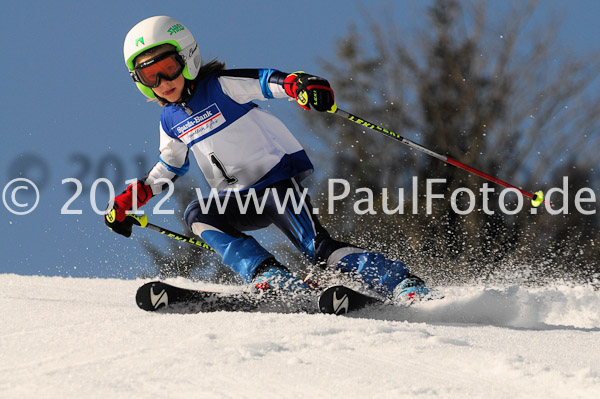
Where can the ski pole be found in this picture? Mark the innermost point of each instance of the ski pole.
(142, 221)
(536, 198)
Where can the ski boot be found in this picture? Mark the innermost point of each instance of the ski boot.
(272, 275)
(411, 289)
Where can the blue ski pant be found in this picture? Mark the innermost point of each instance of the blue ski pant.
(222, 220)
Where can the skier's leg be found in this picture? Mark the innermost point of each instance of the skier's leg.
(289, 208)
(239, 251)
(387, 276)
(309, 236)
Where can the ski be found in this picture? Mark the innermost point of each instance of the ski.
(166, 298)
(339, 299)
(163, 297)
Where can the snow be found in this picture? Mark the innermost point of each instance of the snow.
(86, 338)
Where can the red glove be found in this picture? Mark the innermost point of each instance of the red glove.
(115, 217)
(309, 90)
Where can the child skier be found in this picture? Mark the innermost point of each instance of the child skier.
(208, 110)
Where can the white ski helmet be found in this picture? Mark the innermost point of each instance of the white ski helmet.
(158, 30)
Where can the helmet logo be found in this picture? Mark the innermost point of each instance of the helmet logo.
(140, 40)
(192, 51)
(175, 28)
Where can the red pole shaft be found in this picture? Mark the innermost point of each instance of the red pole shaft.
(479, 173)
(427, 151)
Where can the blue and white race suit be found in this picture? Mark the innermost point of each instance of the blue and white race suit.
(241, 148)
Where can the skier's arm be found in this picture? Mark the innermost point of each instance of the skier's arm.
(244, 85)
(173, 162)
(115, 217)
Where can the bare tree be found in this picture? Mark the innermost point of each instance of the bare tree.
(494, 94)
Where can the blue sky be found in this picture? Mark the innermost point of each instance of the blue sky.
(70, 109)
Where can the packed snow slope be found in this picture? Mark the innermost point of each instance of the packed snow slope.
(86, 338)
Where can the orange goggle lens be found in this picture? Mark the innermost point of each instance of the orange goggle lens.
(166, 66)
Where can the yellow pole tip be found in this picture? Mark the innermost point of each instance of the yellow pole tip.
(537, 199)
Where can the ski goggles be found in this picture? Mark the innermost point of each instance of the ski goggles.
(166, 66)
